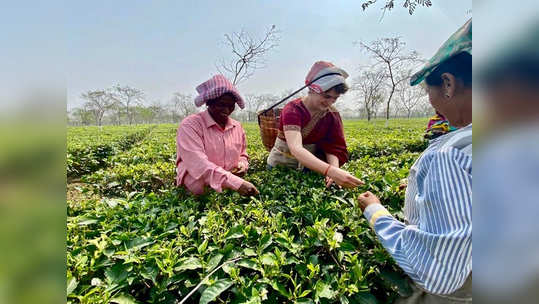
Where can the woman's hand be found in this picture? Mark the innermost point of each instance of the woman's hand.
(330, 182)
(247, 189)
(343, 178)
(366, 199)
(240, 170)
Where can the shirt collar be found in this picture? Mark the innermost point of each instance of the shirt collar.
(209, 122)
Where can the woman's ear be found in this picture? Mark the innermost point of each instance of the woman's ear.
(449, 85)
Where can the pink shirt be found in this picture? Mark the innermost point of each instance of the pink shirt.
(206, 153)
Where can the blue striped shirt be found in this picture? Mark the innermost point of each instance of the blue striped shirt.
(434, 246)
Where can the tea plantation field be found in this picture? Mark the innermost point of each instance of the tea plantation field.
(132, 237)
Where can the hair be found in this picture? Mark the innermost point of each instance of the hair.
(459, 66)
(340, 88)
(214, 100)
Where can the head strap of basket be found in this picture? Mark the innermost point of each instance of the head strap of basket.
(268, 119)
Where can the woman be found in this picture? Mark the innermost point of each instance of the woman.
(211, 146)
(434, 245)
(311, 131)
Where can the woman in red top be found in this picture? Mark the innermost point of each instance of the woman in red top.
(311, 131)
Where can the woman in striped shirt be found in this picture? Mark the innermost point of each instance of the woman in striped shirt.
(434, 244)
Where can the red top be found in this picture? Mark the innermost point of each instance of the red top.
(324, 129)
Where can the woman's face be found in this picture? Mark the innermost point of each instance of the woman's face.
(436, 98)
(222, 108)
(326, 99)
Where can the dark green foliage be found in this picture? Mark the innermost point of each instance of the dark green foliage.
(88, 152)
(296, 242)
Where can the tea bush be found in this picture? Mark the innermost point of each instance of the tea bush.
(89, 148)
(145, 241)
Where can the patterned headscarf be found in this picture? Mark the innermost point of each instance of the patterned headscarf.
(323, 84)
(460, 41)
(216, 87)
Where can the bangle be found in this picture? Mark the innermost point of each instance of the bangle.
(327, 170)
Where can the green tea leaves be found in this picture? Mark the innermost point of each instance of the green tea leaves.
(189, 264)
(133, 236)
(212, 292)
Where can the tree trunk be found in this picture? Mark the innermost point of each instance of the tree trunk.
(392, 89)
(389, 101)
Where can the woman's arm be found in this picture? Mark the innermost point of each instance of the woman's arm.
(436, 253)
(306, 158)
(334, 161)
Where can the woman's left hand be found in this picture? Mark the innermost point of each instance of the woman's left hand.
(330, 181)
(240, 170)
(367, 198)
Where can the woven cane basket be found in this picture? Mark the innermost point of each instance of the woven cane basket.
(268, 121)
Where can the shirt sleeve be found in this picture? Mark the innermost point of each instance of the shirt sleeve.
(334, 142)
(437, 253)
(291, 118)
(193, 157)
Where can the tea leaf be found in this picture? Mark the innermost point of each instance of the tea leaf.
(212, 292)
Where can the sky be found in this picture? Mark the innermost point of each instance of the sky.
(164, 47)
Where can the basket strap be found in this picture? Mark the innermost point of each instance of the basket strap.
(294, 93)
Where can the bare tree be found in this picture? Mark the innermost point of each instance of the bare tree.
(142, 114)
(159, 113)
(370, 86)
(390, 4)
(410, 97)
(183, 105)
(128, 97)
(255, 103)
(118, 114)
(390, 53)
(98, 102)
(424, 108)
(247, 53)
(347, 112)
(82, 116)
(69, 118)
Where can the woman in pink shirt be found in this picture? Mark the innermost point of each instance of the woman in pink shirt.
(211, 146)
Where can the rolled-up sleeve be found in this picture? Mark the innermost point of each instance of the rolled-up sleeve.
(190, 144)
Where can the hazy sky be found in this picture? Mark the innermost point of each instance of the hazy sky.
(163, 47)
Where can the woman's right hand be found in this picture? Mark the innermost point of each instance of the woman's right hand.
(247, 189)
(343, 178)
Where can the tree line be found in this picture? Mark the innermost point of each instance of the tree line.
(381, 88)
(367, 101)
